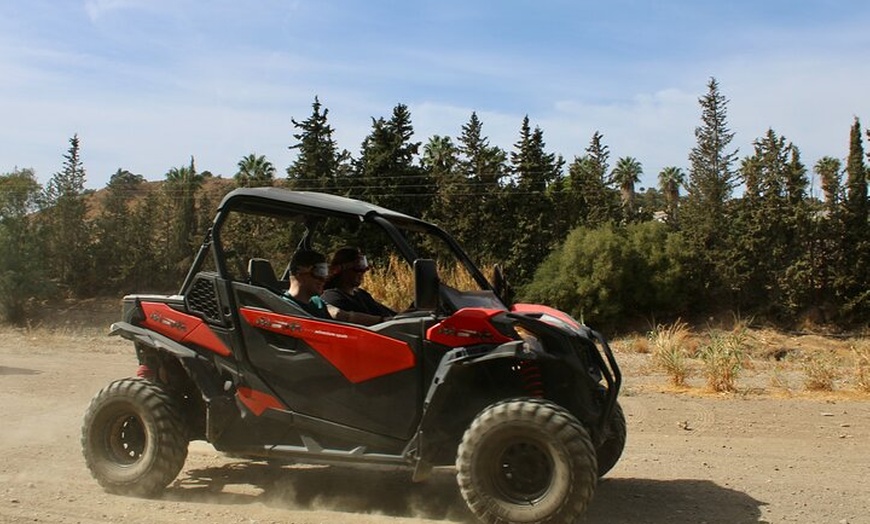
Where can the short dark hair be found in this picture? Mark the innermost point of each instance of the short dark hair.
(305, 258)
(345, 255)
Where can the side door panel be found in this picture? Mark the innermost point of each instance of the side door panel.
(334, 371)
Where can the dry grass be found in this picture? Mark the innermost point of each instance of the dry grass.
(670, 351)
(394, 284)
(861, 355)
(724, 358)
(821, 370)
(735, 358)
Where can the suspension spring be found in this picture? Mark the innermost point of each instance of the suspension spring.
(533, 379)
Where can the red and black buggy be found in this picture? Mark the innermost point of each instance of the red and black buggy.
(520, 398)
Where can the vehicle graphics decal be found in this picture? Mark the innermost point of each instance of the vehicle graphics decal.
(182, 327)
(257, 401)
(357, 353)
(467, 327)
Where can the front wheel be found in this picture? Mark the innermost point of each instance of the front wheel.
(611, 449)
(526, 460)
(133, 438)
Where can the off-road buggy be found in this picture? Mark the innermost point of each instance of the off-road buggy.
(521, 398)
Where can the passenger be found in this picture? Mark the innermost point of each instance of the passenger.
(347, 268)
(308, 272)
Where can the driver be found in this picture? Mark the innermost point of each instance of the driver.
(347, 268)
(308, 272)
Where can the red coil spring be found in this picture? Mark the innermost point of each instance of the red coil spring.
(533, 380)
(144, 371)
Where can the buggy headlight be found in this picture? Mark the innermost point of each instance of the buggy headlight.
(531, 343)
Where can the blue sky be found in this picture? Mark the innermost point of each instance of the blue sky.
(148, 83)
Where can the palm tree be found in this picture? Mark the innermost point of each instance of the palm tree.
(625, 175)
(671, 179)
(439, 155)
(182, 184)
(829, 170)
(254, 171)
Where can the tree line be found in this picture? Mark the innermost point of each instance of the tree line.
(745, 235)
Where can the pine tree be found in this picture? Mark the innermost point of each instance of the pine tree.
(68, 231)
(483, 170)
(387, 173)
(589, 200)
(533, 170)
(318, 162)
(710, 185)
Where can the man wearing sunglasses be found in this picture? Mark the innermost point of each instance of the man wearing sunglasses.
(308, 273)
(347, 268)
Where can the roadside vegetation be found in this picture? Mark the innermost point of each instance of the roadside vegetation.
(577, 234)
(736, 358)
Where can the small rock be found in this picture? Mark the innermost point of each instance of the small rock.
(826, 414)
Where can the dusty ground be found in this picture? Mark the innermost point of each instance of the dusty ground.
(756, 456)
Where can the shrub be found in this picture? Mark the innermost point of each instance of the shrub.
(611, 275)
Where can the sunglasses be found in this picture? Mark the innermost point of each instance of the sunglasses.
(360, 265)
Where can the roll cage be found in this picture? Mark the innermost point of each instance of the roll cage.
(310, 210)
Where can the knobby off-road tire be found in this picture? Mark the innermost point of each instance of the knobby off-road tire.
(610, 450)
(526, 460)
(133, 438)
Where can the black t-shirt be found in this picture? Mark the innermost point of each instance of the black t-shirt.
(359, 301)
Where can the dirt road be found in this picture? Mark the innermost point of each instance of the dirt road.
(689, 459)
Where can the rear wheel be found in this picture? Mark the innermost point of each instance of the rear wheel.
(133, 438)
(610, 450)
(526, 460)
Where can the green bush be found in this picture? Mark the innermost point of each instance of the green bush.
(612, 275)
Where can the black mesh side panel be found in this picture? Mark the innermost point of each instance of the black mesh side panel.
(202, 299)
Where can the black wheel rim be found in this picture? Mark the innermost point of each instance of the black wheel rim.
(523, 472)
(126, 440)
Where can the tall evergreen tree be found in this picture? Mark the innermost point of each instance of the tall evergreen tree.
(67, 228)
(709, 188)
(483, 170)
(22, 260)
(318, 163)
(388, 174)
(774, 251)
(533, 170)
(853, 282)
(114, 254)
(589, 200)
